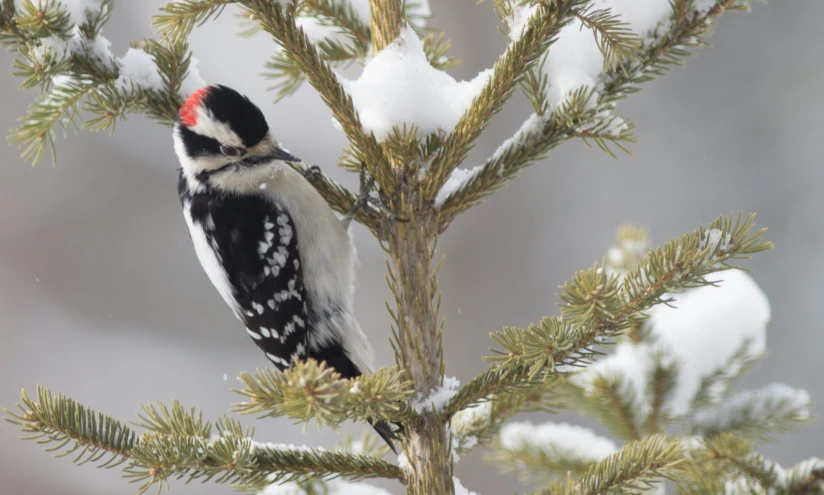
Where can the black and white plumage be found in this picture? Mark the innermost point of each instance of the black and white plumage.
(271, 245)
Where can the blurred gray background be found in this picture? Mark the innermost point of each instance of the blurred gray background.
(101, 296)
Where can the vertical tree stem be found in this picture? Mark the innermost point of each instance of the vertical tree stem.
(412, 247)
(386, 20)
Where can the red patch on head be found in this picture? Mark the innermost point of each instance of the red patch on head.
(188, 112)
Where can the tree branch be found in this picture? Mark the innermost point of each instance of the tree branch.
(510, 68)
(540, 134)
(596, 307)
(179, 444)
(633, 469)
(281, 26)
(385, 21)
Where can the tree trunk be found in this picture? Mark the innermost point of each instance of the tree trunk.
(411, 247)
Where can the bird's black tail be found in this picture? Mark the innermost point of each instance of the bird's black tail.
(386, 432)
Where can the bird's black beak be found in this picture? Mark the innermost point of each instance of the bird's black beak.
(281, 154)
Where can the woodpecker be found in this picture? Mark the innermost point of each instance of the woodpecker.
(276, 252)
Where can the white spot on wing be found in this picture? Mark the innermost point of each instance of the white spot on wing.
(277, 359)
(254, 335)
(265, 332)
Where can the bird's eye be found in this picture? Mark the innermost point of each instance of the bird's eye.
(230, 150)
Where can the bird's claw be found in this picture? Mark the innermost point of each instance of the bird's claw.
(367, 202)
(311, 172)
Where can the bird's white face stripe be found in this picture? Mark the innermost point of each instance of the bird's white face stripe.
(207, 125)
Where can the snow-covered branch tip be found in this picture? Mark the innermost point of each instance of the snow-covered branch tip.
(575, 88)
(596, 306)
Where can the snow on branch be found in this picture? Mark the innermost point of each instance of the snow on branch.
(61, 48)
(637, 467)
(758, 414)
(548, 450)
(399, 86)
(572, 93)
(596, 307)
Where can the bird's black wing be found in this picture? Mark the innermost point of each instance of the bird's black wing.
(257, 246)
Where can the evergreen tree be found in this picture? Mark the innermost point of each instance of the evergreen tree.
(680, 420)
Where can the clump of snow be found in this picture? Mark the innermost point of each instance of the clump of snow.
(773, 400)
(98, 47)
(711, 239)
(707, 325)
(530, 125)
(701, 331)
(521, 14)
(557, 439)
(460, 489)
(801, 471)
(481, 412)
(403, 461)
(139, 67)
(574, 60)
(399, 85)
(456, 180)
(255, 445)
(642, 16)
(193, 80)
(632, 362)
(438, 397)
(77, 9)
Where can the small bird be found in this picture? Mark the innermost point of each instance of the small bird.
(270, 244)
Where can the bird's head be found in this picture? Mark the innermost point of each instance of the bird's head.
(220, 131)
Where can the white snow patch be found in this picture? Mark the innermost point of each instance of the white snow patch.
(557, 439)
(193, 79)
(438, 397)
(642, 15)
(521, 14)
(77, 9)
(456, 180)
(139, 67)
(399, 85)
(708, 325)
(633, 362)
(574, 60)
(481, 412)
(459, 488)
(530, 125)
(702, 332)
(775, 399)
(98, 48)
(800, 471)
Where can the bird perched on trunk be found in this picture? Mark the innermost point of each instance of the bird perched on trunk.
(273, 248)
